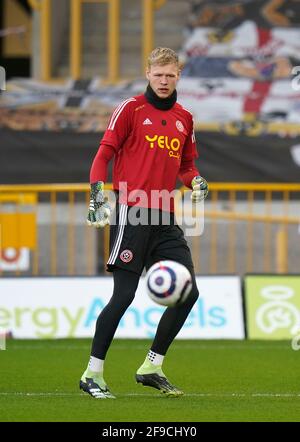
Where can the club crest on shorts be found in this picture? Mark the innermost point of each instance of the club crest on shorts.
(126, 255)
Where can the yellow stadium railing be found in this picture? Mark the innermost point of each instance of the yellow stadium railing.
(44, 7)
(225, 209)
(113, 37)
(149, 8)
(278, 242)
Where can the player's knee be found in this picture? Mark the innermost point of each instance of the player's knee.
(123, 297)
(129, 296)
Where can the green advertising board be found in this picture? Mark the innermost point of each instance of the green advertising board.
(272, 306)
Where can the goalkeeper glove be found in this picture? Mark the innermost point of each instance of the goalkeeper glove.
(100, 210)
(200, 189)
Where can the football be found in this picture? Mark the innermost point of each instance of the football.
(168, 283)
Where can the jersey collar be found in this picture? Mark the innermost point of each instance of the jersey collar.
(160, 103)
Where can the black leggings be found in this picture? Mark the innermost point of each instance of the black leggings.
(125, 285)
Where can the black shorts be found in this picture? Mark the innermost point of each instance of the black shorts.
(134, 247)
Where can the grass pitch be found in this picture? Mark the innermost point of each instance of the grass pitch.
(223, 381)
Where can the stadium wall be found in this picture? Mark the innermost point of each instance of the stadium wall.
(66, 157)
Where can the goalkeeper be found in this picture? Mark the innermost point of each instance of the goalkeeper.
(151, 139)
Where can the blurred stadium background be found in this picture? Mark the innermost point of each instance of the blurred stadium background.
(68, 64)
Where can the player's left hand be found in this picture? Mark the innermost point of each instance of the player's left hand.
(200, 189)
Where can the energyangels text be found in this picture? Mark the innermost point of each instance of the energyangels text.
(47, 321)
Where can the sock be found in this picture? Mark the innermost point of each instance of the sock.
(96, 364)
(155, 358)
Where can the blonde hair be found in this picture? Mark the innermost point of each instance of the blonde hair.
(163, 56)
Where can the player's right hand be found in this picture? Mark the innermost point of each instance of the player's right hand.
(99, 210)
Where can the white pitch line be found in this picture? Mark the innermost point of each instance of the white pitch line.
(238, 395)
(21, 393)
(225, 395)
(45, 347)
(143, 347)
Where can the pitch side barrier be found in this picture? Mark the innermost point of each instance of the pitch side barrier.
(43, 230)
(68, 307)
(256, 307)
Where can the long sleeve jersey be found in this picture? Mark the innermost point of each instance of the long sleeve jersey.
(151, 148)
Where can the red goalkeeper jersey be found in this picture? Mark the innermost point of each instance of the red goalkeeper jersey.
(150, 146)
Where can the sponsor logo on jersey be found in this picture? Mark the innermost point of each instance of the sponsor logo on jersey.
(147, 121)
(126, 255)
(163, 142)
